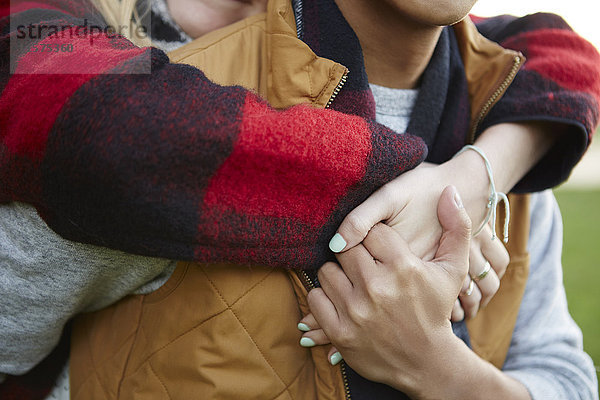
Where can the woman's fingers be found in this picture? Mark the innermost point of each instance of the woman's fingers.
(488, 260)
(458, 314)
(315, 337)
(323, 309)
(334, 281)
(484, 276)
(494, 252)
(308, 323)
(487, 264)
(470, 299)
(380, 206)
(334, 356)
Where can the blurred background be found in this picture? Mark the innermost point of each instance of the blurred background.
(579, 198)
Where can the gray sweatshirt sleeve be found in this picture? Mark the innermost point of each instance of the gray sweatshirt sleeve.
(546, 353)
(45, 280)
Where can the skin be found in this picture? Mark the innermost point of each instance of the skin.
(417, 353)
(197, 17)
(415, 26)
(406, 206)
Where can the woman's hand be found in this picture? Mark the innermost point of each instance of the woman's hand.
(408, 204)
(380, 310)
(472, 297)
(512, 149)
(488, 260)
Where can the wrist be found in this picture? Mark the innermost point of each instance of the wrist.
(464, 375)
(448, 376)
(467, 172)
(438, 373)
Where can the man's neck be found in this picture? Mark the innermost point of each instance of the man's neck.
(396, 49)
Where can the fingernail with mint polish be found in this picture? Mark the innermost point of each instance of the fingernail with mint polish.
(303, 327)
(307, 342)
(335, 358)
(337, 243)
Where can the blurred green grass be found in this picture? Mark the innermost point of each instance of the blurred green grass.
(581, 262)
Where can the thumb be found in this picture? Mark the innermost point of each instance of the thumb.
(456, 231)
(357, 224)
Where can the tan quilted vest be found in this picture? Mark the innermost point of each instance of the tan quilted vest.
(229, 332)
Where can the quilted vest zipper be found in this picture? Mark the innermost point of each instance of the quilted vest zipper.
(309, 285)
(304, 278)
(337, 89)
(517, 62)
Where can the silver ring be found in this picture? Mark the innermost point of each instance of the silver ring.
(470, 288)
(486, 269)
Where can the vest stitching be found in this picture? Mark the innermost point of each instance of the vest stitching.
(147, 359)
(94, 373)
(142, 332)
(243, 294)
(135, 335)
(169, 286)
(84, 383)
(286, 388)
(159, 380)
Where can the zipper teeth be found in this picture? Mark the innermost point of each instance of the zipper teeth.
(337, 89)
(307, 281)
(346, 384)
(486, 108)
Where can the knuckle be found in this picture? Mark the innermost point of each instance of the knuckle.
(491, 290)
(494, 285)
(313, 297)
(476, 297)
(504, 261)
(377, 229)
(411, 268)
(381, 291)
(458, 314)
(328, 267)
(468, 302)
(326, 270)
(314, 293)
(471, 312)
(356, 224)
(472, 308)
(360, 314)
(344, 337)
(486, 296)
(387, 193)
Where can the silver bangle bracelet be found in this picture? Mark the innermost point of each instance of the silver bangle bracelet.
(494, 199)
